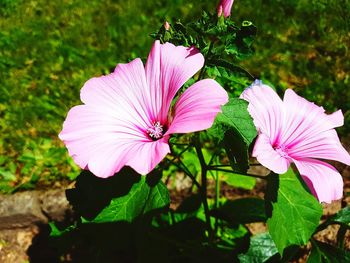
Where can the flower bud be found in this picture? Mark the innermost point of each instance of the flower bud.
(225, 7)
(166, 25)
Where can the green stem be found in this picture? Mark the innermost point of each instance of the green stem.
(203, 185)
(213, 168)
(201, 73)
(177, 156)
(217, 197)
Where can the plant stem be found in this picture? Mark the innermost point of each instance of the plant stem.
(203, 185)
(214, 168)
(217, 197)
(201, 73)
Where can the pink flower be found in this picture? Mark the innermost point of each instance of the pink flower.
(297, 131)
(225, 6)
(128, 117)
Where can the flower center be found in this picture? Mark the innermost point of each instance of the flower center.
(282, 150)
(156, 131)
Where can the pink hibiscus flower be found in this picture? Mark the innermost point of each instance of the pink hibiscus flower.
(128, 117)
(297, 131)
(225, 6)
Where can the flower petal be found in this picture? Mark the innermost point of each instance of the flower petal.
(309, 132)
(147, 155)
(268, 157)
(324, 181)
(123, 92)
(96, 139)
(266, 108)
(197, 107)
(168, 67)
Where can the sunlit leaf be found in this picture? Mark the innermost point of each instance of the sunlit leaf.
(294, 212)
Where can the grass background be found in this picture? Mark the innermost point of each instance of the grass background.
(48, 49)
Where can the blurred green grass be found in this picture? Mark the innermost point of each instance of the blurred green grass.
(48, 49)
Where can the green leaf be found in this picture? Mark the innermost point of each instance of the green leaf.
(7, 175)
(233, 69)
(325, 253)
(237, 151)
(295, 213)
(236, 116)
(235, 128)
(242, 211)
(158, 197)
(141, 199)
(122, 197)
(342, 217)
(261, 248)
(55, 232)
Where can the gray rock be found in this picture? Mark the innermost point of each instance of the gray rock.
(55, 205)
(20, 210)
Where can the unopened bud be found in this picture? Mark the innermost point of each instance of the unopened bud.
(166, 25)
(225, 7)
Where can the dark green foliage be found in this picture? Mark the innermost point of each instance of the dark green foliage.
(325, 253)
(342, 217)
(123, 197)
(261, 248)
(212, 35)
(242, 211)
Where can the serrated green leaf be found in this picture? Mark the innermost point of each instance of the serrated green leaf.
(325, 253)
(141, 199)
(261, 248)
(126, 207)
(234, 127)
(158, 197)
(295, 212)
(122, 197)
(236, 116)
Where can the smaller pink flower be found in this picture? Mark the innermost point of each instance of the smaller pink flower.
(225, 6)
(297, 131)
(128, 116)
